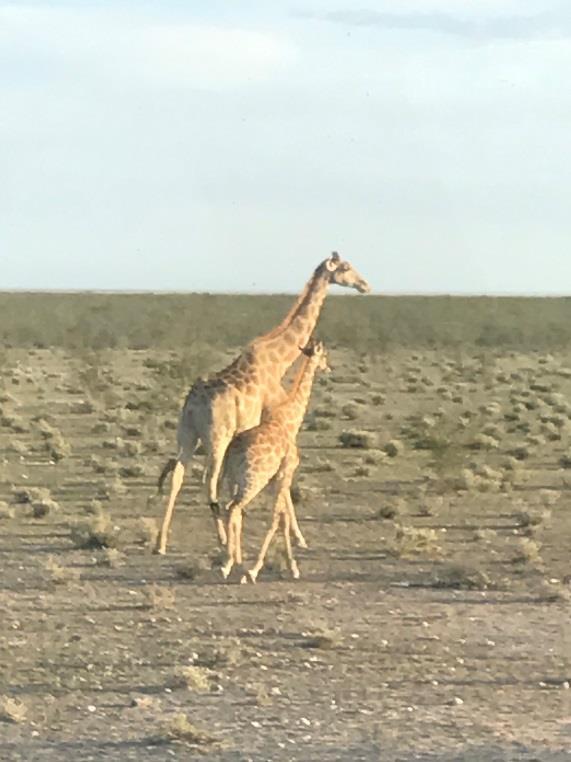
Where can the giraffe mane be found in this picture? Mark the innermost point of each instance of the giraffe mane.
(299, 302)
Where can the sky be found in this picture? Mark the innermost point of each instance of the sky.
(225, 146)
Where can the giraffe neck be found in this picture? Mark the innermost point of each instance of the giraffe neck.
(297, 305)
(292, 410)
(280, 349)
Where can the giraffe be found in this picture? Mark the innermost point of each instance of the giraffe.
(232, 400)
(268, 454)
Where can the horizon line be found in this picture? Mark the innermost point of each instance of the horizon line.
(390, 294)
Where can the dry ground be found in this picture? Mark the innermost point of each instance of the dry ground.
(432, 617)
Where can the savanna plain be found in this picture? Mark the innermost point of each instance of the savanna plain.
(431, 619)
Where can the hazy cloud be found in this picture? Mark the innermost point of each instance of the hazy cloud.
(553, 23)
(119, 45)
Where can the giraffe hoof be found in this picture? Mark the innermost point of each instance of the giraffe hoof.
(301, 543)
(158, 550)
(248, 578)
(225, 572)
(295, 572)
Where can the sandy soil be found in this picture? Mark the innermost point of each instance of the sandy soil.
(431, 621)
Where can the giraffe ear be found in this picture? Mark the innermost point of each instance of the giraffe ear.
(332, 262)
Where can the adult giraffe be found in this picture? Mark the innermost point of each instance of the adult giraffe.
(232, 400)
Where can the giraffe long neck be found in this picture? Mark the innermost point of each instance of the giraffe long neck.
(296, 306)
(292, 411)
(280, 349)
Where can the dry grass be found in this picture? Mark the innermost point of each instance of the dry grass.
(58, 574)
(259, 693)
(179, 728)
(147, 531)
(194, 678)
(58, 448)
(392, 509)
(322, 638)
(393, 448)
(345, 565)
(96, 532)
(461, 577)
(533, 517)
(12, 710)
(6, 511)
(414, 541)
(30, 494)
(190, 569)
(41, 508)
(94, 322)
(527, 551)
(365, 440)
(111, 558)
(132, 471)
(351, 411)
(159, 597)
(230, 653)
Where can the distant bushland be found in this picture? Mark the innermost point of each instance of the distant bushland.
(368, 324)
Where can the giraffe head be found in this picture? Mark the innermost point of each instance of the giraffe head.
(316, 350)
(343, 273)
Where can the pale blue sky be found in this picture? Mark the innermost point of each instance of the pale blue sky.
(230, 146)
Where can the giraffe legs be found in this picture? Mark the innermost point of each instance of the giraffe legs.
(286, 524)
(215, 460)
(283, 512)
(176, 484)
(187, 439)
(299, 538)
(233, 548)
(252, 574)
(290, 466)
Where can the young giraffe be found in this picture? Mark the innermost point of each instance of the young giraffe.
(231, 401)
(268, 454)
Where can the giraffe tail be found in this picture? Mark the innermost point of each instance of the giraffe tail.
(169, 466)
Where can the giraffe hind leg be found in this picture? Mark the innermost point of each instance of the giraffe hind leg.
(293, 567)
(178, 467)
(252, 574)
(176, 484)
(234, 510)
(215, 460)
(299, 538)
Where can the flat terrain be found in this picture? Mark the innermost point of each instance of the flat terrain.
(431, 621)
